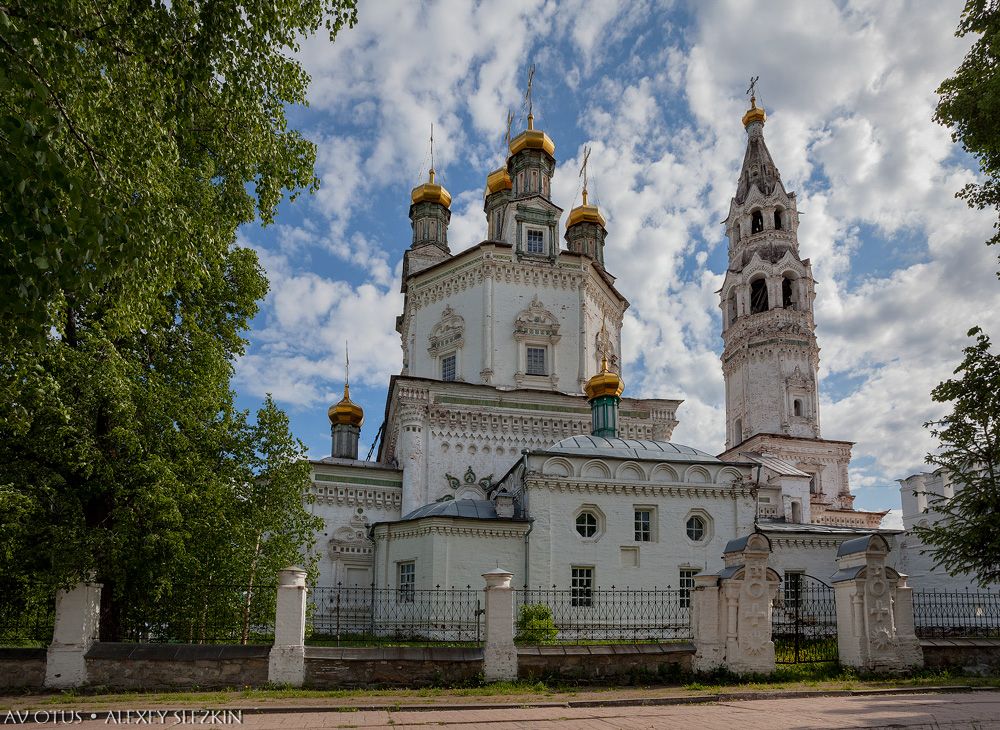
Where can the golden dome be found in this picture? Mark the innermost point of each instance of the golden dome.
(754, 113)
(585, 214)
(604, 383)
(534, 139)
(431, 192)
(498, 180)
(347, 412)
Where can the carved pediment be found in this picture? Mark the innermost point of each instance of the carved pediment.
(448, 333)
(536, 321)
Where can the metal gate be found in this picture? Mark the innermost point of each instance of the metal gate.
(804, 621)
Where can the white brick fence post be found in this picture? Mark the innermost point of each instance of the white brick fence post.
(287, 660)
(731, 610)
(78, 618)
(499, 652)
(874, 609)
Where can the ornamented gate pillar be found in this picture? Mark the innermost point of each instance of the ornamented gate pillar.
(874, 609)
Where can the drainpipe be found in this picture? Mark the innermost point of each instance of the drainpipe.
(531, 521)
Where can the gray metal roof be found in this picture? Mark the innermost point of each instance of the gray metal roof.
(772, 526)
(779, 466)
(628, 449)
(473, 509)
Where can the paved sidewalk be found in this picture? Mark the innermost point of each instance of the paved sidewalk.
(979, 710)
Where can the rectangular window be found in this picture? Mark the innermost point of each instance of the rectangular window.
(448, 367)
(536, 361)
(643, 525)
(406, 581)
(792, 588)
(535, 242)
(686, 583)
(582, 593)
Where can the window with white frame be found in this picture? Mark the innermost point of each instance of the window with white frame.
(536, 241)
(582, 586)
(586, 524)
(448, 367)
(685, 583)
(643, 524)
(406, 580)
(535, 361)
(695, 528)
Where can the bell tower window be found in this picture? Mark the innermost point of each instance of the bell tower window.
(787, 293)
(758, 296)
(777, 220)
(797, 408)
(756, 222)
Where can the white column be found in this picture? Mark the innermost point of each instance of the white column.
(710, 651)
(78, 612)
(287, 661)
(499, 653)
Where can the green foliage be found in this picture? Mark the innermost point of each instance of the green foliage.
(966, 539)
(137, 135)
(970, 103)
(535, 625)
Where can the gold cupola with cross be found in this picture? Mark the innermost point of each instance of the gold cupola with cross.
(586, 229)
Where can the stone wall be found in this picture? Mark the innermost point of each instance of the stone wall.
(391, 666)
(22, 668)
(166, 666)
(972, 656)
(612, 662)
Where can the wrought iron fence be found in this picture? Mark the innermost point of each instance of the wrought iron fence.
(601, 615)
(203, 614)
(958, 614)
(804, 621)
(365, 615)
(29, 625)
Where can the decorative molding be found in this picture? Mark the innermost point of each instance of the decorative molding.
(448, 334)
(700, 491)
(390, 498)
(469, 479)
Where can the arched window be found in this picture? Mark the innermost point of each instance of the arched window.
(797, 407)
(756, 222)
(787, 293)
(731, 310)
(758, 296)
(777, 220)
(738, 431)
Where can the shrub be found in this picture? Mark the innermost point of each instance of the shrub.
(535, 625)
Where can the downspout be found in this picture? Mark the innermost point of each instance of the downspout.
(531, 521)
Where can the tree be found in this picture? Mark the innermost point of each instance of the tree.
(137, 135)
(970, 103)
(966, 539)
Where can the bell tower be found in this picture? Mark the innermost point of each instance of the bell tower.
(771, 358)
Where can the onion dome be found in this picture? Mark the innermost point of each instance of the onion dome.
(585, 214)
(533, 139)
(431, 192)
(498, 180)
(754, 113)
(346, 412)
(605, 383)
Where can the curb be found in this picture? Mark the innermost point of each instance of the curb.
(628, 702)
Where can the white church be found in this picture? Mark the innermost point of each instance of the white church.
(508, 436)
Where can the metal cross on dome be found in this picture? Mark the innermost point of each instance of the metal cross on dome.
(510, 121)
(583, 172)
(527, 93)
(752, 89)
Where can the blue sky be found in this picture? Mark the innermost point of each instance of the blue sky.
(656, 89)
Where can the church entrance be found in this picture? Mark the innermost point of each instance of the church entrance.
(804, 621)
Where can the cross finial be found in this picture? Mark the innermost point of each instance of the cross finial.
(583, 172)
(347, 370)
(527, 96)
(752, 90)
(432, 153)
(510, 121)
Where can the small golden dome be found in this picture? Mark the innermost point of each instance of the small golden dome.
(534, 139)
(347, 412)
(585, 214)
(498, 180)
(754, 113)
(604, 383)
(431, 192)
